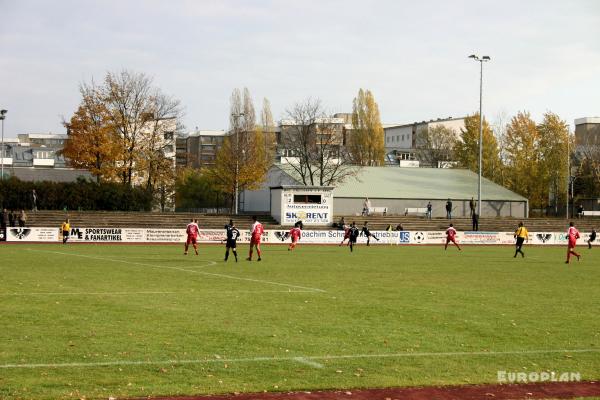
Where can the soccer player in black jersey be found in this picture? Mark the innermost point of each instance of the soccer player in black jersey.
(367, 233)
(353, 231)
(232, 235)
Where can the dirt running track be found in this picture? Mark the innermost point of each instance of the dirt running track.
(555, 390)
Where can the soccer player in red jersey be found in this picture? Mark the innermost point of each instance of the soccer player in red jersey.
(451, 237)
(572, 236)
(295, 234)
(256, 232)
(346, 234)
(192, 236)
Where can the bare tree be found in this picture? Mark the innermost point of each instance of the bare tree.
(587, 159)
(313, 145)
(241, 162)
(268, 129)
(435, 145)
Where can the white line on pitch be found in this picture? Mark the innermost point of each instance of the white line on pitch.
(308, 362)
(296, 359)
(82, 293)
(227, 292)
(239, 278)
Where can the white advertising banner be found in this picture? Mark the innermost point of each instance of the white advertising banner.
(147, 235)
(556, 238)
(312, 206)
(32, 234)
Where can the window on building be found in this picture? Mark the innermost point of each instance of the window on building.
(168, 135)
(307, 198)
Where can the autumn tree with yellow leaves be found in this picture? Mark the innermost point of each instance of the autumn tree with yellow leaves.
(536, 159)
(92, 142)
(124, 130)
(242, 161)
(466, 150)
(366, 143)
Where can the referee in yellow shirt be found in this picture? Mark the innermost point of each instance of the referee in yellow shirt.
(521, 235)
(66, 229)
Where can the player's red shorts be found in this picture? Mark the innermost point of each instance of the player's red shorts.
(450, 239)
(572, 243)
(295, 239)
(346, 235)
(191, 239)
(254, 240)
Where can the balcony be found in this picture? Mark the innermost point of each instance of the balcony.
(43, 162)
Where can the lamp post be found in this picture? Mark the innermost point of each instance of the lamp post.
(236, 117)
(481, 61)
(568, 174)
(2, 116)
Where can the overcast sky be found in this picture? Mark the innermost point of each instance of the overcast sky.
(411, 55)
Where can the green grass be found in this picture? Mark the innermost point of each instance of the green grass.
(381, 300)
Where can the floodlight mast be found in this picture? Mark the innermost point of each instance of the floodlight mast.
(481, 61)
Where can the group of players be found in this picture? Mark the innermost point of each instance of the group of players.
(351, 233)
(192, 230)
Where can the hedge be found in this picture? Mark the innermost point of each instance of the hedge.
(80, 195)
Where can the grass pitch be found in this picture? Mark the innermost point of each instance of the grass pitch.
(100, 321)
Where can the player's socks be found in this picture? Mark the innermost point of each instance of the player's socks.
(226, 255)
(235, 255)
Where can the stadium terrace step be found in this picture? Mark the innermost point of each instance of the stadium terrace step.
(465, 224)
(104, 219)
(210, 221)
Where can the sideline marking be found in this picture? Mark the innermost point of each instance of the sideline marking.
(303, 359)
(82, 293)
(308, 362)
(310, 289)
(201, 292)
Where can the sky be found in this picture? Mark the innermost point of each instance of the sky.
(413, 56)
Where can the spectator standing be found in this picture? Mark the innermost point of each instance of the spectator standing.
(472, 207)
(4, 219)
(11, 218)
(34, 200)
(579, 211)
(22, 218)
(475, 219)
(449, 209)
(429, 210)
(399, 228)
(366, 207)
